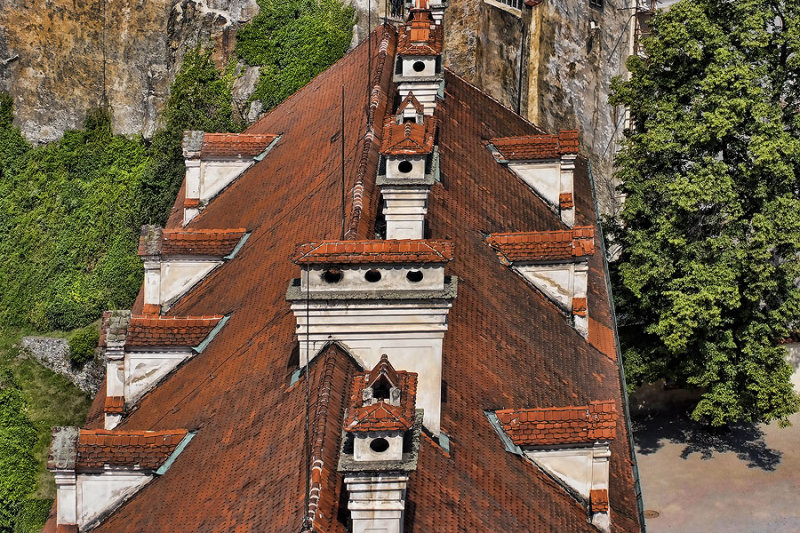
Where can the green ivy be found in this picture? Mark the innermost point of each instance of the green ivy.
(293, 41)
(18, 467)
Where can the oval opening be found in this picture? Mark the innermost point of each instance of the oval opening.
(418, 66)
(414, 276)
(379, 445)
(405, 167)
(372, 276)
(332, 275)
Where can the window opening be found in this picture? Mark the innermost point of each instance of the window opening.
(414, 276)
(372, 276)
(379, 445)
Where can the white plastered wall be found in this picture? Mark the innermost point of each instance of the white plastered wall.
(428, 64)
(377, 503)
(216, 175)
(178, 275)
(404, 210)
(363, 452)
(424, 91)
(392, 278)
(143, 369)
(417, 168)
(793, 358)
(98, 493)
(549, 178)
(582, 469)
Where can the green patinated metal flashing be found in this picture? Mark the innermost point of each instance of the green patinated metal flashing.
(271, 145)
(202, 346)
(498, 428)
(238, 246)
(175, 453)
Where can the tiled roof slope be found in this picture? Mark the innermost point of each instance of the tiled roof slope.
(505, 347)
(531, 147)
(359, 252)
(544, 245)
(213, 242)
(420, 37)
(234, 144)
(560, 425)
(169, 330)
(141, 450)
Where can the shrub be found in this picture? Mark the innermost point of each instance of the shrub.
(32, 516)
(82, 344)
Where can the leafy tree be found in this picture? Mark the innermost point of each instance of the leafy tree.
(82, 343)
(17, 465)
(200, 99)
(710, 230)
(293, 41)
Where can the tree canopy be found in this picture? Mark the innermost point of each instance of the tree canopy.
(706, 283)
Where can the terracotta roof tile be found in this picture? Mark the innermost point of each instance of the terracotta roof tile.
(212, 242)
(579, 306)
(544, 245)
(411, 100)
(237, 390)
(234, 145)
(169, 330)
(532, 147)
(382, 416)
(369, 252)
(420, 36)
(599, 500)
(115, 405)
(144, 450)
(409, 138)
(560, 425)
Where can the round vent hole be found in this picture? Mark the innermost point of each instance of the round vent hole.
(414, 276)
(372, 276)
(405, 167)
(418, 66)
(332, 275)
(379, 445)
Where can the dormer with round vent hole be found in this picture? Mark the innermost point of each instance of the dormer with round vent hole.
(418, 66)
(380, 446)
(378, 297)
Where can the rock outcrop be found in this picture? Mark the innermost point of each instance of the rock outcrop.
(61, 58)
(53, 353)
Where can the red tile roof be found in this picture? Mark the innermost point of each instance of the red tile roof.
(239, 145)
(544, 245)
(382, 416)
(560, 425)
(371, 252)
(409, 138)
(115, 405)
(420, 36)
(212, 242)
(169, 330)
(598, 499)
(143, 450)
(565, 200)
(411, 100)
(532, 147)
(238, 392)
(579, 306)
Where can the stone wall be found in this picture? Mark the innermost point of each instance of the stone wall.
(61, 58)
(54, 354)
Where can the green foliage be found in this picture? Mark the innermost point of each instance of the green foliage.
(17, 464)
(293, 41)
(12, 144)
(82, 343)
(68, 228)
(32, 516)
(710, 230)
(200, 99)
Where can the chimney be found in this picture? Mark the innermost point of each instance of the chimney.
(554, 262)
(571, 444)
(214, 160)
(546, 163)
(378, 297)
(408, 152)
(419, 58)
(114, 330)
(380, 447)
(177, 260)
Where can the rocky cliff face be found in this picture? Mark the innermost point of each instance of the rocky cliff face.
(568, 50)
(60, 58)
